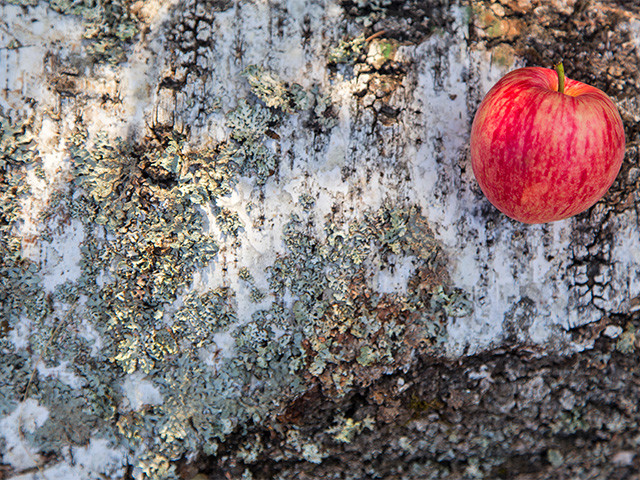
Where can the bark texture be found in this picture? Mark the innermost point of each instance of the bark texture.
(242, 239)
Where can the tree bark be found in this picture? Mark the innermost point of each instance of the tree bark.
(242, 239)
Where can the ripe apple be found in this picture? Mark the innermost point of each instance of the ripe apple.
(545, 147)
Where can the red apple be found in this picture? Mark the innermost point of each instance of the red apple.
(540, 155)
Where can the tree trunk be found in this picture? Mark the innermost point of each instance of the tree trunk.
(243, 239)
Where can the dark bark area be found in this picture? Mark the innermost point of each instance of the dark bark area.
(511, 413)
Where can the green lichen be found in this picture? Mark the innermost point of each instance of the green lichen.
(28, 316)
(344, 320)
(204, 404)
(245, 274)
(274, 92)
(19, 277)
(152, 240)
(570, 423)
(554, 456)
(307, 202)
(228, 221)
(321, 318)
(309, 451)
(15, 370)
(347, 51)
(109, 26)
(203, 315)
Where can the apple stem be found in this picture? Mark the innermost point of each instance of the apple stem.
(560, 70)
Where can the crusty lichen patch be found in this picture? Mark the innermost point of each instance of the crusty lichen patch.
(331, 312)
(18, 275)
(109, 26)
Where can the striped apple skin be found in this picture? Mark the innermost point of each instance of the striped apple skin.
(540, 155)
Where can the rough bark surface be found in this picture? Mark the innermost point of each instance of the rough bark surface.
(242, 239)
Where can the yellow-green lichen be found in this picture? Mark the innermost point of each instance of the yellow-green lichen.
(347, 51)
(346, 429)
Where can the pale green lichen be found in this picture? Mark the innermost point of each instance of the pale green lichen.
(201, 316)
(347, 51)
(570, 423)
(74, 413)
(109, 26)
(153, 240)
(274, 92)
(228, 221)
(18, 276)
(628, 339)
(250, 125)
(297, 447)
(145, 238)
(346, 429)
(311, 452)
(335, 302)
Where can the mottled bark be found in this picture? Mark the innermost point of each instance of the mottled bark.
(242, 239)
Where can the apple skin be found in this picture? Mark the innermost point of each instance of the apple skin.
(540, 155)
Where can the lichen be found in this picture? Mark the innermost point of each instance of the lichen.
(346, 323)
(201, 316)
(152, 240)
(228, 221)
(32, 321)
(347, 51)
(274, 92)
(109, 26)
(627, 341)
(22, 298)
(250, 126)
(18, 276)
(142, 206)
(347, 428)
(204, 404)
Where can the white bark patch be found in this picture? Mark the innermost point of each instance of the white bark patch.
(27, 417)
(62, 257)
(139, 392)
